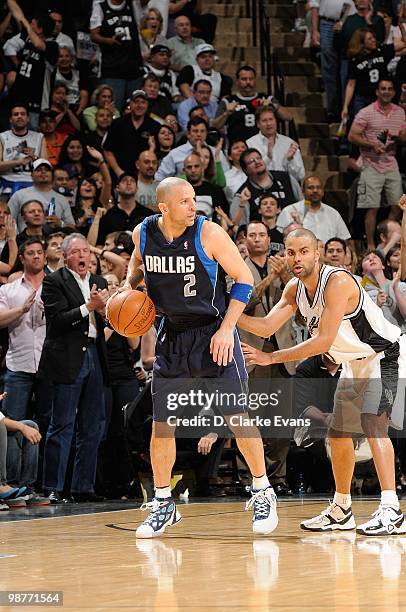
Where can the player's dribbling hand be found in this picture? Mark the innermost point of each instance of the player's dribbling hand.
(254, 356)
(222, 346)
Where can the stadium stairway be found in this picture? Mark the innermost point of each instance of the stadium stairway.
(303, 85)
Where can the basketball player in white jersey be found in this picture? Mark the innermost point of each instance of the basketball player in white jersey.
(350, 328)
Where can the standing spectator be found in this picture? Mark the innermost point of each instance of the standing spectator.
(363, 18)
(278, 151)
(150, 31)
(327, 16)
(374, 130)
(62, 39)
(259, 180)
(53, 139)
(201, 97)
(22, 312)
(203, 25)
(75, 80)
(146, 165)
(203, 68)
(183, 45)
(113, 27)
(237, 111)
(389, 235)
(102, 97)
(125, 215)
(235, 177)
(74, 359)
(208, 196)
(129, 135)
(313, 214)
(42, 190)
(31, 85)
(67, 123)
(19, 146)
(172, 164)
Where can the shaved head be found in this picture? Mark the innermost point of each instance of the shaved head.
(168, 186)
(303, 233)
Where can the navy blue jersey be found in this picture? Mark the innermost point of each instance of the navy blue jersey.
(182, 281)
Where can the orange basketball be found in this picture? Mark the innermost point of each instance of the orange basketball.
(130, 313)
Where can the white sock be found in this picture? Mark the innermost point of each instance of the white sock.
(163, 492)
(389, 498)
(260, 483)
(343, 500)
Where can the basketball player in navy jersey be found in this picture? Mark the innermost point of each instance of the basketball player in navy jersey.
(185, 259)
(349, 327)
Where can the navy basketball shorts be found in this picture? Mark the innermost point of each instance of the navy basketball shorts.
(184, 363)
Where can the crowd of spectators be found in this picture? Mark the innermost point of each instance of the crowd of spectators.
(99, 102)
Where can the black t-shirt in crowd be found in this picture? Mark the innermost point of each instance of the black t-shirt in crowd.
(369, 69)
(127, 142)
(119, 358)
(241, 124)
(281, 189)
(117, 220)
(277, 244)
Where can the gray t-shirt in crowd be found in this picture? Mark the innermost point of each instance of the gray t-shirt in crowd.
(20, 197)
(146, 194)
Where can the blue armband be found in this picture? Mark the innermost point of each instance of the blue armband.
(241, 292)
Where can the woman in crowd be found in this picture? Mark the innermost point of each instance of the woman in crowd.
(235, 177)
(163, 141)
(368, 64)
(150, 32)
(74, 156)
(102, 97)
(8, 244)
(392, 262)
(213, 169)
(67, 122)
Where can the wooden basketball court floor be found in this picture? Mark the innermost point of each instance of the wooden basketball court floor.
(209, 561)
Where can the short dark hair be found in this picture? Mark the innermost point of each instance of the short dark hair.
(151, 77)
(265, 196)
(245, 154)
(52, 236)
(387, 79)
(247, 68)
(28, 202)
(46, 23)
(259, 222)
(27, 243)
(131, 174)
(382, 227)
(376, 252)
(336, 239)
(200, 82)
(196, 121)
(19, 105)
(233, 142)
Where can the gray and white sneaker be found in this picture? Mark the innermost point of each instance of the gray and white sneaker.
(265, 517)
(384, 521)
(163, 514)
(331, 519)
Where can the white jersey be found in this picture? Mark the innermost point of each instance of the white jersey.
(362, 333)
(13, 147)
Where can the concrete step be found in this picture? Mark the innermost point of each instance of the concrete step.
(286, 54)
(338, 199)
(304, 84)
(238, 8)
(310, 114)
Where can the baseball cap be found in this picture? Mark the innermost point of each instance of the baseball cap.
(159, 49)
(204, 48)
(41, 162)
(138, 93)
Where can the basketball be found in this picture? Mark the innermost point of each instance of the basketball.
(130, 313)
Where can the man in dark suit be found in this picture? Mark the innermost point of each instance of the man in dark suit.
(74, 359)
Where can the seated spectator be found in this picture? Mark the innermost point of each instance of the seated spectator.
(389, 295)
(104, 119)
(56, 205)
(61, 181)
(351, 261)
(260, 180)
(121, 59)
(67, 123)
(53, 252)
(53, 139)
(201, 97)
(75, 157)
(19, 463)
(389, 235)
(151, 32)
(35, 226)
(313, 214)
(75, 80)
(374, 131)
(208, 196)
(129, 135)
(183, 45)
(203, 68)
(269, 210)
(368, 65)
(127, 213)
(158, 103)
(163, 141)
(212, 166)
(392, 262)
(172, 121)
(235, 177)
(172, 164)
(159, 64)
(19, 146)
(102, 97)
(236, 112)
(278, 151)
(8, 244)
(146, 165)
(335, 251)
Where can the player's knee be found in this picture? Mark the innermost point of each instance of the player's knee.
(375, 425)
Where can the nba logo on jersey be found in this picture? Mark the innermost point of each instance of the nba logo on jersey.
(186, 245)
